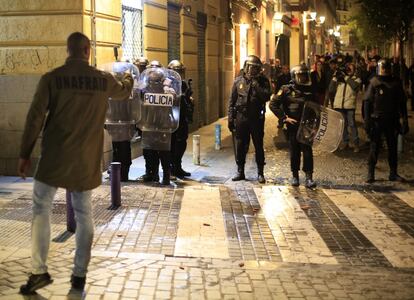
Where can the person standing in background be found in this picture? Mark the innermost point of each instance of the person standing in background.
(318, 83)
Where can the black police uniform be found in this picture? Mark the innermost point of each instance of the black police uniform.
(384, 105)
(247, 108)
(289, 102)
(121, 152)
(179, 137)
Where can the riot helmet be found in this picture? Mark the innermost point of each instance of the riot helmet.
(300, 75)
(154, 64)
(384, 67)
(141, 63)
(178, 67)
(252, 66)
(155, 80)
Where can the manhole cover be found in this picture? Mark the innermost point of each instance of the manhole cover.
(214, 179)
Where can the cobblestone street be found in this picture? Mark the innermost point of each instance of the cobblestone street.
(210, 238)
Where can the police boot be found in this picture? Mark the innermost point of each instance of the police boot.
(180, 173)
(240, 174)
(309, 183)
(154, 172)
(165, 178)
(147, 177)
(295, 179)
(371, 175)
(260, 174)
(395, 177)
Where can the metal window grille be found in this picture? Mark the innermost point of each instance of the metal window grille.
(131, 33)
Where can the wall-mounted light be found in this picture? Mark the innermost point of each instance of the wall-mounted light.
(338, 27)
(321, 19)
(313, 15)
(187, 9)
(277, 16)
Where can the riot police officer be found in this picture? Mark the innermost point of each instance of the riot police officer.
(384, 106)
(179, 137)
(246, 114)
(121, 141)
(288, 105)
(157, 123)
(150, 156)
(141, 63)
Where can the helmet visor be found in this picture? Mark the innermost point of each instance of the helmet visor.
(303, 78)
(253, 70)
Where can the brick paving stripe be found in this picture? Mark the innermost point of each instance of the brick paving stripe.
(345, 241)
(297, 239)
(396, 245)
(406, 196)
(201, 231)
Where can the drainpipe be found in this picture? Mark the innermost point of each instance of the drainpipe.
(93, 32)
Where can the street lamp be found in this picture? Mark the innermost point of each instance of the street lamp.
(278, 16)
(313, 15)
(321, 19)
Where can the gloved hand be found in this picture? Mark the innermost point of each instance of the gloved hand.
(127, 77)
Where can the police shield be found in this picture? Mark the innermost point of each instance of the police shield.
(320, 127)
(122, 115)
(159, 90)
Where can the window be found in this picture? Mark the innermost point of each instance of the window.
(132, 29)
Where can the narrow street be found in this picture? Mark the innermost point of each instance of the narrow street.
(210, 238)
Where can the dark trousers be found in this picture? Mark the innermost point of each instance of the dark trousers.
(255, 129)
(412, 95)
(178, 147)
(296, 148)
(165, 158)
(388, 128)
(121, 152)
(151, 161)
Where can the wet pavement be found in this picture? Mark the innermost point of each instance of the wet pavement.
(210, 238)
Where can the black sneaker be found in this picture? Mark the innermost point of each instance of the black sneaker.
(78, 283)
(34, 283)
(309, 183)
(261, 178)
(294, 181)
(396, 177)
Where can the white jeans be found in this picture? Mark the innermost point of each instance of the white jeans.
(43, 195)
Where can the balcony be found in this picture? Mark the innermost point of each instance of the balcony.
(296, 5)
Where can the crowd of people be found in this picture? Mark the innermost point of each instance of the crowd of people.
(337, 81)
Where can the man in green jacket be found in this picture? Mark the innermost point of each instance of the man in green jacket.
(70, 105)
